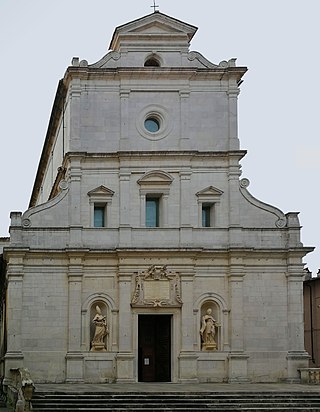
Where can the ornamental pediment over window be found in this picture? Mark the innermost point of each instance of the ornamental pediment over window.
(157, 287)
(101, 190)
(210, 191)
(100, 194)
(210, 194)
(156, 177)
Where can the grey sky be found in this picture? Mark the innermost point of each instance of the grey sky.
(278, 40)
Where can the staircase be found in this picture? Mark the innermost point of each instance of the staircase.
(176, 401)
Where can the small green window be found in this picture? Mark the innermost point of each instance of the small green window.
(152, 212)
(206, 215)
(99, 216)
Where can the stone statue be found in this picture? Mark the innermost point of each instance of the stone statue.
(100, 332)
(208, 331)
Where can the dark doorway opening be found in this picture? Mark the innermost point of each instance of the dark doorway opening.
(154, 348)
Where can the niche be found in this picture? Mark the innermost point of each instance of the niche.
(99, 327)
(210, 326)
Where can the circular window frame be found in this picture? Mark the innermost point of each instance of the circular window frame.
(161, 115)
(155, 120)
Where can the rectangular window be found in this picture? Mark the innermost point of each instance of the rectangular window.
(152, 211)
(206, 215)
(99, 216)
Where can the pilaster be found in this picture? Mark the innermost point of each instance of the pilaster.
(74, 356)
(234, 204)
(237, 356)
(15, 273)
(75, 174)
(184, 118)
(75, 113)
(185, 178)
(233, 92)
(187, 357)
(185, 218)
(125, 357)
(125, 229)
(297, 357)
(124, 124)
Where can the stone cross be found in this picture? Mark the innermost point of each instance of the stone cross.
(154, 6)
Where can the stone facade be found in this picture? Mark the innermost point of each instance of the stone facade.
(215, 249)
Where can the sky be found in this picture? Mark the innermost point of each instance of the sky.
(278, 40)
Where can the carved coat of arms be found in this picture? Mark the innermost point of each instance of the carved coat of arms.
(157, 287)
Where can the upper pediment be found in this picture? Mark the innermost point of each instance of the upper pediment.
(210, 191)
(101, 191)
(155, 177)
(156, 29)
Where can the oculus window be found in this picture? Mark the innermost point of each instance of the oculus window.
(152, 124)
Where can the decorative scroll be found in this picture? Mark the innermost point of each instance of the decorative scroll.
(157, 287)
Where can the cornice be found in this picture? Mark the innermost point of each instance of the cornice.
(238, 154)
(152, 73)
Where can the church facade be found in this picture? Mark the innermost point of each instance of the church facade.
(143, 256)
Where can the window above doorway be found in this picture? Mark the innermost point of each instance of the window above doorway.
(154, 193)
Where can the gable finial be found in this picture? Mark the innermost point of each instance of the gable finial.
(154, 6)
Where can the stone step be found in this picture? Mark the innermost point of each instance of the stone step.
(188, 396)
(176, 401)
(174, 409)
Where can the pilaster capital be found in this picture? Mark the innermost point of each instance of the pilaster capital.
(124, 93)
(125, 275)
(124, 175)
(184, 94)
(75, 276)
(185, 174)
(236, 264)
(186, 276)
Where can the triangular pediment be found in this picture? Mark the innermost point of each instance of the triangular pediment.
(101, 191)
(157, 29)
(210, 191)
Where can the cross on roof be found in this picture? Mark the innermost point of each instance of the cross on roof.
(154, 6)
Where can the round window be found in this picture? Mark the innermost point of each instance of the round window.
(152, 124)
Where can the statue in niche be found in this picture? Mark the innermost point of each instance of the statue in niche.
(208, 331)
(101, 331)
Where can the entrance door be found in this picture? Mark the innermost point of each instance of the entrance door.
(154, 357)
